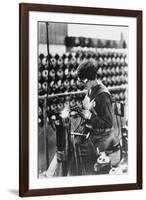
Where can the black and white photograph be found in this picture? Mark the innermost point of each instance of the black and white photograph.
(82, 99)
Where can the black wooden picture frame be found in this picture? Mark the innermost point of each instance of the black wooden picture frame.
(24, 9)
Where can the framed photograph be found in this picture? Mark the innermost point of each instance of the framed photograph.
(80, 81)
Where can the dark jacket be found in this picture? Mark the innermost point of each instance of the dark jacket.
(102, 115)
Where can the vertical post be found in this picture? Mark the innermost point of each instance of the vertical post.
(47, 37)
(45, 133)
(45, 105)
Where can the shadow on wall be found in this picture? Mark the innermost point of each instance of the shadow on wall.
(13, 191)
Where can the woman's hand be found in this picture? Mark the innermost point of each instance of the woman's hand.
(87, 104)
(86, 114)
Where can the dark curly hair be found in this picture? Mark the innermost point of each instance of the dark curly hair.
(87, 70)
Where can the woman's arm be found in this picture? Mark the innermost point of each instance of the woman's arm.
(102, 116)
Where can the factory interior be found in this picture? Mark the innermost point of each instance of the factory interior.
(61, 48)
